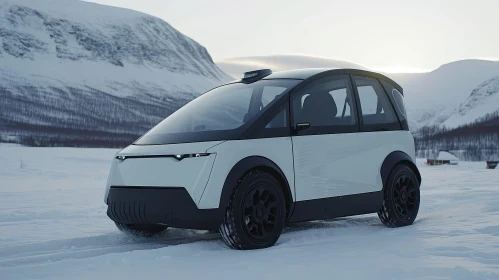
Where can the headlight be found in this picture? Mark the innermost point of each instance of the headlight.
(178, 157)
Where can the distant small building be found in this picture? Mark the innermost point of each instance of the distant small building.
(492, 164)
(444, 157)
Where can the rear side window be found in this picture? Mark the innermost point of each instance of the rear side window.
(398, 102)
(376, 110)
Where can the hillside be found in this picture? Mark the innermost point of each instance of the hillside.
(483, 100)
(433, 97)
(72, 70)
(471, 130)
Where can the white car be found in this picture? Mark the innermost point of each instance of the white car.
(253, 155)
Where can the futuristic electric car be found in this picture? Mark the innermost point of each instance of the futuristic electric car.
(253, 155)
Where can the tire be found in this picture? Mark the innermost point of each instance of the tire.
(256, 213)
(401, 198)
(141, 230)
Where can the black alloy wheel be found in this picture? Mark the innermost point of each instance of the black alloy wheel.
(401, 198)
(256, 213)
(260, 213)
(404, 196)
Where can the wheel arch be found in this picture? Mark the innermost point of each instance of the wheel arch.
(392, 160)
(248, 164)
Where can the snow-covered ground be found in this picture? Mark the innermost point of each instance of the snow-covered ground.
(53, 226)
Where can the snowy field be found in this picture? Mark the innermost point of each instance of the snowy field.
(53, 226)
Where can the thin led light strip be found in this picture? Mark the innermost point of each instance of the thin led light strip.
(178, 157)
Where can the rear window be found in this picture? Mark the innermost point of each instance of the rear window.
(397, 99)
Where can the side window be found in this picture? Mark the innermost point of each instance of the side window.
(277, 126)
(327, 104)
(279, 121)
(376, 110)
(342, 103)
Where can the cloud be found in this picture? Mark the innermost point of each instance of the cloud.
(237, 66)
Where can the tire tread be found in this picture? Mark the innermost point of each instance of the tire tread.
(228, 228)
(386, 213)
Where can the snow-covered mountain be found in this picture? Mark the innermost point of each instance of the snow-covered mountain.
(483, 100)
(433, 97)
(236, 66)
(71, 67)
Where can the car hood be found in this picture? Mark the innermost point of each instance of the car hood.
(168, 149)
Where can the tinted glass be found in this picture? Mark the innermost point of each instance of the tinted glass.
(270, 93)
(217, 113)
(377, 112)
(279, 121)
(326, 104)
(397, 99)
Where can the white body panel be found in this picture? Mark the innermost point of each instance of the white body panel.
(278, 150)
(323, 165)
(189, 173)
(343, 164)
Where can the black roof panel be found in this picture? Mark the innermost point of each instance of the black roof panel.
(301, 74)
(305, 73)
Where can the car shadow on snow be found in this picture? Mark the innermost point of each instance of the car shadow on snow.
(175, 236)
(183, 236)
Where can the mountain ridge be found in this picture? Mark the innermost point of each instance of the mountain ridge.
(77, 66)
(483, 100)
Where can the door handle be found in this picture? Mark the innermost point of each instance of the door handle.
(301, 126)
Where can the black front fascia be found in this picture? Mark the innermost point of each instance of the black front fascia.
(159, 205)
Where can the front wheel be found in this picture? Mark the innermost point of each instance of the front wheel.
(401, 198)
(141, 230)
(256, 213)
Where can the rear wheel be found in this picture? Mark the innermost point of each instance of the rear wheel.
(256, 213)
(401, 198)
(141, 230)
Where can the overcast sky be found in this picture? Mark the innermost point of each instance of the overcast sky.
(393, 35)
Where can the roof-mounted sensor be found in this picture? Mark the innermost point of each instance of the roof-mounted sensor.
(253, 76)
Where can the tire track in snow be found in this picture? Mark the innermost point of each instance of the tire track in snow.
(87, 247)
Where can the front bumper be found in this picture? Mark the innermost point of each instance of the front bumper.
(159, 205)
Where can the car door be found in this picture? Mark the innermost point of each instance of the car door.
(326, 140)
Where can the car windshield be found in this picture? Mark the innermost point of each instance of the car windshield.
(220, 110)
